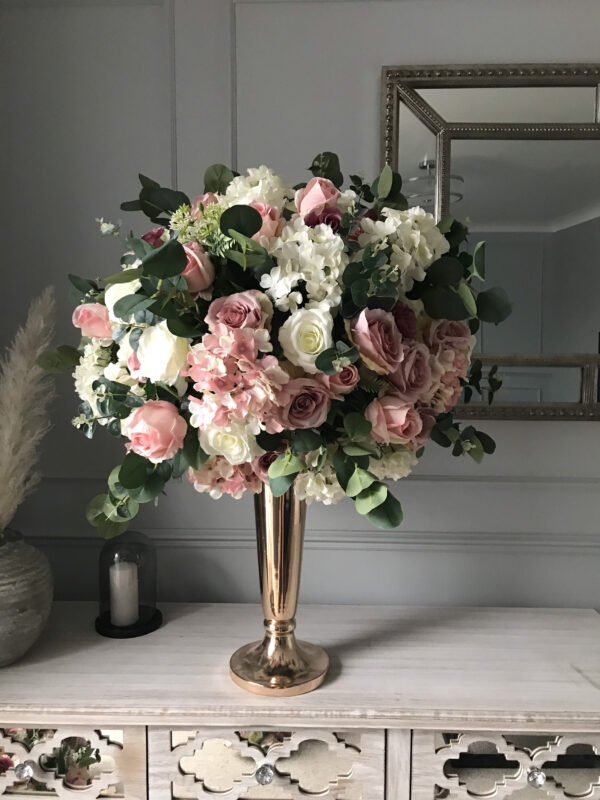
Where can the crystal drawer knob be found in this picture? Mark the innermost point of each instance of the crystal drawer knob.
(24, 771)
(536, 777)
(265, 774)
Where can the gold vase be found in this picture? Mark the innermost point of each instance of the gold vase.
(279, 665)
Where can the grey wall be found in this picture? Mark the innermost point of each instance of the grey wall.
(98, 90)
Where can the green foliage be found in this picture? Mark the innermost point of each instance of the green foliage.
(332, 360)
(127, 306)
(155, 200)
(282, 472)
(241, 219)
(327, 165)
(165, 261)
(371, 497)
(384, 182)
(356, 426)
(479, 260)
(125, 276)
(358, 481)
(217, 178)
(63, 359)
(493, 305)
(305, 440)
(134, 471)
(387, 514)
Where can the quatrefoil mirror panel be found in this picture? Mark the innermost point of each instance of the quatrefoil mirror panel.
(514, 150)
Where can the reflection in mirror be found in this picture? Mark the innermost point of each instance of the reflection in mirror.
(416, 150)
(540, 385)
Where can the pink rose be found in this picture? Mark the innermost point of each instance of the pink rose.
(154, 237)
(6, 763)
(393, 420)
(406, 321)
(92, 318)
(201, 201)
(428, 418)
(272, 222)
(261, 464)
(448, 333)
(305, 404)
(249, 309)
(317, 195)
(378, 339)
(413, 376)
(329, 216)
(199, 272)
(341, 382)
(155, 430)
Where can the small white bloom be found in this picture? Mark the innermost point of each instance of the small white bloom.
(346, 202)
(162, 355)
(108, 228)
(395, 463)
(114, 293)
(305, 334)
(93, 362)
(322, 487)
(235, 443)
(260, 184)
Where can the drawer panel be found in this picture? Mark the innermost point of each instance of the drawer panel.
(191, 764)
(483, 764)
(64, 761)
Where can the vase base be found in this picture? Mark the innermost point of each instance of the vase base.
(257, 669)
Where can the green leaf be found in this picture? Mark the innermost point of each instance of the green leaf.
(242, 219)
(128, 305)
(125, 276)
(269, 441)
(217, 178)
(324, 361)
(95, 508)
(344, 468)
(441, 302)
(166, 261)
(384, 183)
(356, 425)
(476, 451)
(303, 441)
(327, 165)
(366, 448)
(83, 285)
(147, 182)
(63, 359)
(445, 270)
(131, 205)
(186, 326)
(117, 489)
(488, 444)
(371, 497)
(479, 260)
(280, 485)
(151, 489)
(445, 224)
(122, 510)
(386, 515)
(359, 480)
(466, 295)
(493, 305)
(134, 470)
(286, 464)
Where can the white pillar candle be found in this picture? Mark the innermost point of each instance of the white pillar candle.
(124, 594)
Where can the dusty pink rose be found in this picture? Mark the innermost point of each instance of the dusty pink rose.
(305, 404)
(272, 221)
(154, 237)
(378, 339)
(317, 195)
(241, 310)
(155, 430)
(329, 216)
(261, 464)
(406, 320)
(413, 376)
(452, 334)
(199, 272)
(341, 382)
(92, 319)
(6, 763)
(428, 419)
(393, 421)
(201, 201)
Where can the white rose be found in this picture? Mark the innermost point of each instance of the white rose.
(162, 355)
(116, 292)
(235, 443)
(305, 334)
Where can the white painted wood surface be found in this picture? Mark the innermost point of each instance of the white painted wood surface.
(392, 667)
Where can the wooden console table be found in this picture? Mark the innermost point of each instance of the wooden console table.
(421, 703)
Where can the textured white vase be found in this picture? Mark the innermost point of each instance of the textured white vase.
(25, 596)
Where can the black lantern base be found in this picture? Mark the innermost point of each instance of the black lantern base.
(150, 620)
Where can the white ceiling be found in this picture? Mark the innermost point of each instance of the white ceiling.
(513, 185)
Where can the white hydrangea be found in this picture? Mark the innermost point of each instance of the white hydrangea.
(260, 184)
(321, 487)
(395, 464)
(414, 237)
(346, 202)
(117, 371)
(313, 255)
(93, 362)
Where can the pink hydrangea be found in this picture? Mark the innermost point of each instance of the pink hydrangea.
(218, 477)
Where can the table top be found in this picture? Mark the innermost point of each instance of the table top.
(391, 667)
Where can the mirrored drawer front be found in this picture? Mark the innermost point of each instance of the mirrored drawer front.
(64, 761)
(192, 764)
(485, 764)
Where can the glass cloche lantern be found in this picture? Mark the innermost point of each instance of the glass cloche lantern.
(128, 587)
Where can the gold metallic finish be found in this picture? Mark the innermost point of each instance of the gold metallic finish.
(279, 665)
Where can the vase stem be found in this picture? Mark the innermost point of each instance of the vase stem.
(279, 665)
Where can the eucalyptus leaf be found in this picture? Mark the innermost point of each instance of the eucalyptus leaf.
(384, 182)
(241, 219)
(359, 480)
(386, 515)
(165, 261)
(371, 497)
(466, 295)
(217, 178)
(280, 485)
(134, 471)
(493, 305)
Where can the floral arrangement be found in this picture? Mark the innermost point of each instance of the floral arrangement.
(262, 333)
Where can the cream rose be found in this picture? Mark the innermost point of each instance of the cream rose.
(162, 355)
(305, 334)
(115, 293)
(235, 443)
